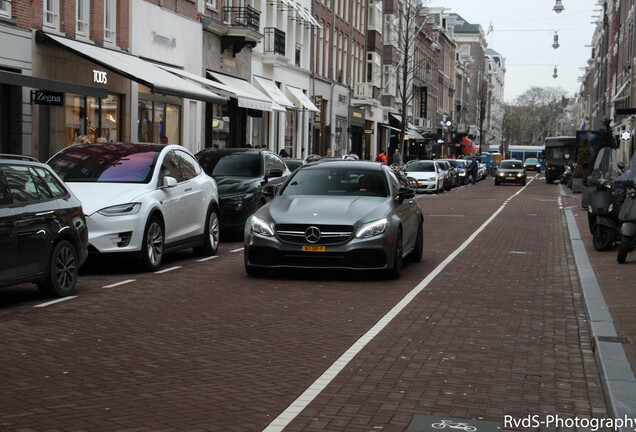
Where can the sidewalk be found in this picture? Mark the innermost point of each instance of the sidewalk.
(609, 289)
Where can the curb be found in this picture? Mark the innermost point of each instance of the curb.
(617, 378)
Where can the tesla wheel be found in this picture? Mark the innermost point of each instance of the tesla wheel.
(61, 279)
(418, 250)
(398, 261)
(602, 238)
(623, 249)
(153, 243)
(211, 234)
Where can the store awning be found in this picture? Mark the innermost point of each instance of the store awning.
(17, 79)
(135, 69)
(248, 96)
(271, 90)
(303, 100)
(397, 117)
(414, 135)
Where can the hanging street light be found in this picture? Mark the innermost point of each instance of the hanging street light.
(555, 75)
(558, 7)
(555, 45)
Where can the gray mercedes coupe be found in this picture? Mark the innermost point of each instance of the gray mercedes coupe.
(340, 215)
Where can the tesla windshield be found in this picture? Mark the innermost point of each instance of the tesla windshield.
(94, 163)
(337, 181)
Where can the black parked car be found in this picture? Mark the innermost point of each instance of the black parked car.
(43, 234)
(246, 178)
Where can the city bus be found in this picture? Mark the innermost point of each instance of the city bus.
(559, 152)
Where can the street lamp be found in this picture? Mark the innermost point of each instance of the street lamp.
(555, 45)
(555, 75)
(558, 7)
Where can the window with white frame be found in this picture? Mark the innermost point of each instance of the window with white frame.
(5, 8)
(390, 30)
(374, 65)
(211, 4)
(110, 20)
(52, 14)
(82, 13)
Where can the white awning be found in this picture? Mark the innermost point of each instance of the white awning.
(303, 100)
(414, 135)
(618, 93)
(138, 70)
(271, 89)
(248, 96)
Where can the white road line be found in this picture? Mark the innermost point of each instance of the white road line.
(207, 258)
(168, 269)
(55, 301)
(119, 283)
(237, 250)
(296, 407)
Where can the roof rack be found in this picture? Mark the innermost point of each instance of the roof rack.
(18, 157)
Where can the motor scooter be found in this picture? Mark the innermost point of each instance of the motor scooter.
(604, 202)
(627, 213)
(566, 177)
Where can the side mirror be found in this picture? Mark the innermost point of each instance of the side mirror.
(169, 182)
(276, 172)
(405, 193)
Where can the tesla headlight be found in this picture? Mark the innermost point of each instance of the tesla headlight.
(121, 210)
(259, 226)
(373, 229)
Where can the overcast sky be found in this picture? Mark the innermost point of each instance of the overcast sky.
(523, 32)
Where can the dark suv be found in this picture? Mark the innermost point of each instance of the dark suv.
(43, 235)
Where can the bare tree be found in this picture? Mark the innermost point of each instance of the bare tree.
(411, 20)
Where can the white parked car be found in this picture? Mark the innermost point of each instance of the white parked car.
(429, 175)
(147, 199)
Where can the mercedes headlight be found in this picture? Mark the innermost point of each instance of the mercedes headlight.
(373, 229)
(121, 210)
(259, 226)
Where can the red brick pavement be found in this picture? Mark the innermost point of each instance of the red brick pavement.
(500, 331)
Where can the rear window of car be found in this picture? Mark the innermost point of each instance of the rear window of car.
(106, 163)
(420, 167)
(511, 165)
(238, 164)
(337, 181)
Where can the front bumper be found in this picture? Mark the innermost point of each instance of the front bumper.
(511, 179)
(426, 186)
(375, 253)
(115, 234)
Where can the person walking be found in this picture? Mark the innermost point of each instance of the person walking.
(381, 157)
(473, 169)
(397, 158)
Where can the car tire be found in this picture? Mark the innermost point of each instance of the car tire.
(418, 250)
(623, 249)
(61, 279)
(210, 244)
(152, 248)
(398, 260)
(496, 182)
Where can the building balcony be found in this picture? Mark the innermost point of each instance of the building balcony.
(274, 47)
(242, 18)
(363, 90)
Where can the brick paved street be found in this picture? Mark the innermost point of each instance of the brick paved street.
(500, 331)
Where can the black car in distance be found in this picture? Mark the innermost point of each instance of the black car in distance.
(43, 234)
(246, 178)
(511, 171)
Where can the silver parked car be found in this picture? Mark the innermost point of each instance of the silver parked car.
(336, 215)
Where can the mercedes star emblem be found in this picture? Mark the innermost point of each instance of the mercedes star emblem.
(312, 234)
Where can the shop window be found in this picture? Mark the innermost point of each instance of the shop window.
(95, 118)
(158, 119)
(5, 8)
(82, 11)
(220, 127)
(52, 14)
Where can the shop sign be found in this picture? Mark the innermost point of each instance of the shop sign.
(626, 135)
(100, 77)
(368, 131)
(41, 97)
(164, 40)
(318, 103)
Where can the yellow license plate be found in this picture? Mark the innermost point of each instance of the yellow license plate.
(313, 249)
(510, 178)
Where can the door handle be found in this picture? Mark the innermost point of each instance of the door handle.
(188, 190)
(45, 213)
